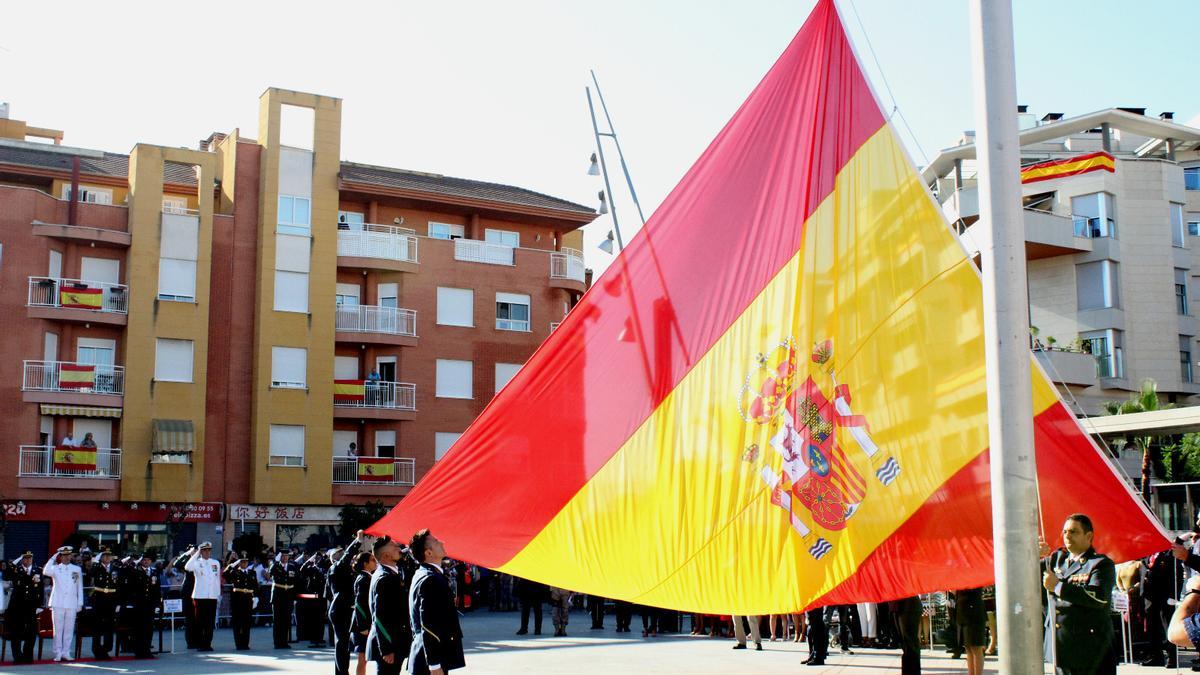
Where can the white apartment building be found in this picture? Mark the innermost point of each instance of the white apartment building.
(1113, 256)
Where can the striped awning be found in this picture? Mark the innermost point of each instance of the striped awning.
(174, 436)
(79, 411)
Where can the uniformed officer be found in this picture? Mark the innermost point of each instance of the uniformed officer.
(103, 581)
(20, 619)
(284, 577)
(437, 636)
(390, 636)
(244, 583)
(310, 604)
(341, 585)
(66, 599)
(1080, 581)
(143, 598)
(189, 584)
(360, 625)
(205, 594)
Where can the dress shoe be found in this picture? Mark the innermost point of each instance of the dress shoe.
(818, 662)
(739, 646)
(523, 631)
(758, 646)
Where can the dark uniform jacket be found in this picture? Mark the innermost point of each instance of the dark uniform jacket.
(362, 604)
(1164, 578)
(26, 594)
(437, 637)
(285, 580)
(103, 583)
(1082, 601)
(390, 632)
(244, 579)
(969, 609)
(141, 588)
(340, 582)
(189, 579)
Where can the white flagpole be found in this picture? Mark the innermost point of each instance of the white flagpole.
(1006, 336)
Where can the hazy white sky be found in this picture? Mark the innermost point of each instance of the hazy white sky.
(495, 90)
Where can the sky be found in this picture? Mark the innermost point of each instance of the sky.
(495, 90)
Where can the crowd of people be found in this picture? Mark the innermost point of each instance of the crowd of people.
(380, 601)
(377, 599)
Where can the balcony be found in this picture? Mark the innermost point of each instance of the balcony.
(377, 325)
(473, 250)
(69, 468)
(1071, 368)
(373, 399)
(567, 270)
(356, 477)
(378, 247)
(73, 383)
(78, 300)
(1046, 235)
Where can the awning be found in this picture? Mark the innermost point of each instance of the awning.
(79, 411)
(174, 436)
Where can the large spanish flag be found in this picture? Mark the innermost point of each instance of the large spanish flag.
(774, 398)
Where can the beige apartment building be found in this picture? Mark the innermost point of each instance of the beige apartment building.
(1113, 252)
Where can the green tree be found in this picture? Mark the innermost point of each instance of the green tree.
(1145, 400)
(1181, 460)
(357, 517)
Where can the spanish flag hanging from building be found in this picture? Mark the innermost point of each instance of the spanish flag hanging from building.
(81, 298)
(1071, 166)
(774, 398)
(68, 458)
(76, 376)
(349, 391)
(372, 469)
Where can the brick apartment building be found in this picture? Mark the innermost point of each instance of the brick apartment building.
(252, 333)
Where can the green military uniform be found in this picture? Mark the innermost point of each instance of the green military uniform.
(1083, 614)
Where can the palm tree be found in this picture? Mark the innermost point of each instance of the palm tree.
(1145, 400)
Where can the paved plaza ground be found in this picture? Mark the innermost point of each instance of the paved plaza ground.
(492, 647)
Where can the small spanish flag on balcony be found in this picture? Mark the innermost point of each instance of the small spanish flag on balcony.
(74, 459)
(382, 469)
(1072, 166)
(76, 376)
(81, 298)
(349, 391)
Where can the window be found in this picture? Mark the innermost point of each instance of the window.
(178, 251)
(385, 443)
(512, 311)
(177, 205)
(446, 231)
(455, 307)
(292, 253)
(347, 294)
(502, 237)
(1178, 233)
(1096, 285)
(1185, 358)
(389, 295)
(1191, 178)
(1106, 347)
(504, 373)
(289, 367)
(294, 215)
(173, 360)
(1181, 294)
(287, 445)
(291, 292)
(96, 352)
(1193, 226)
(1095, 215)
(89, 194)
(345, 367)
(454, 379)
(442, 441)
(350, 220)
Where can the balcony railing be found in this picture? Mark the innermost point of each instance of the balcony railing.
(96, 296)
(376, 319)
(473, 250)
(73, 378)
(372, 471)
(567, 264)
(39, 461)
(374, 394)
(378, 241)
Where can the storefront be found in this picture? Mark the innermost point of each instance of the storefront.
(282, 526)
(124, 527)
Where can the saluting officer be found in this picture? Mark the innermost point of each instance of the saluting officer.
(20, 619)
(310, 602)
(241, 599)
(189, 585)
(284, 576)
(1081, 582)
(205, 594)
(66, 599)
(341, 585)
(103, 580)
